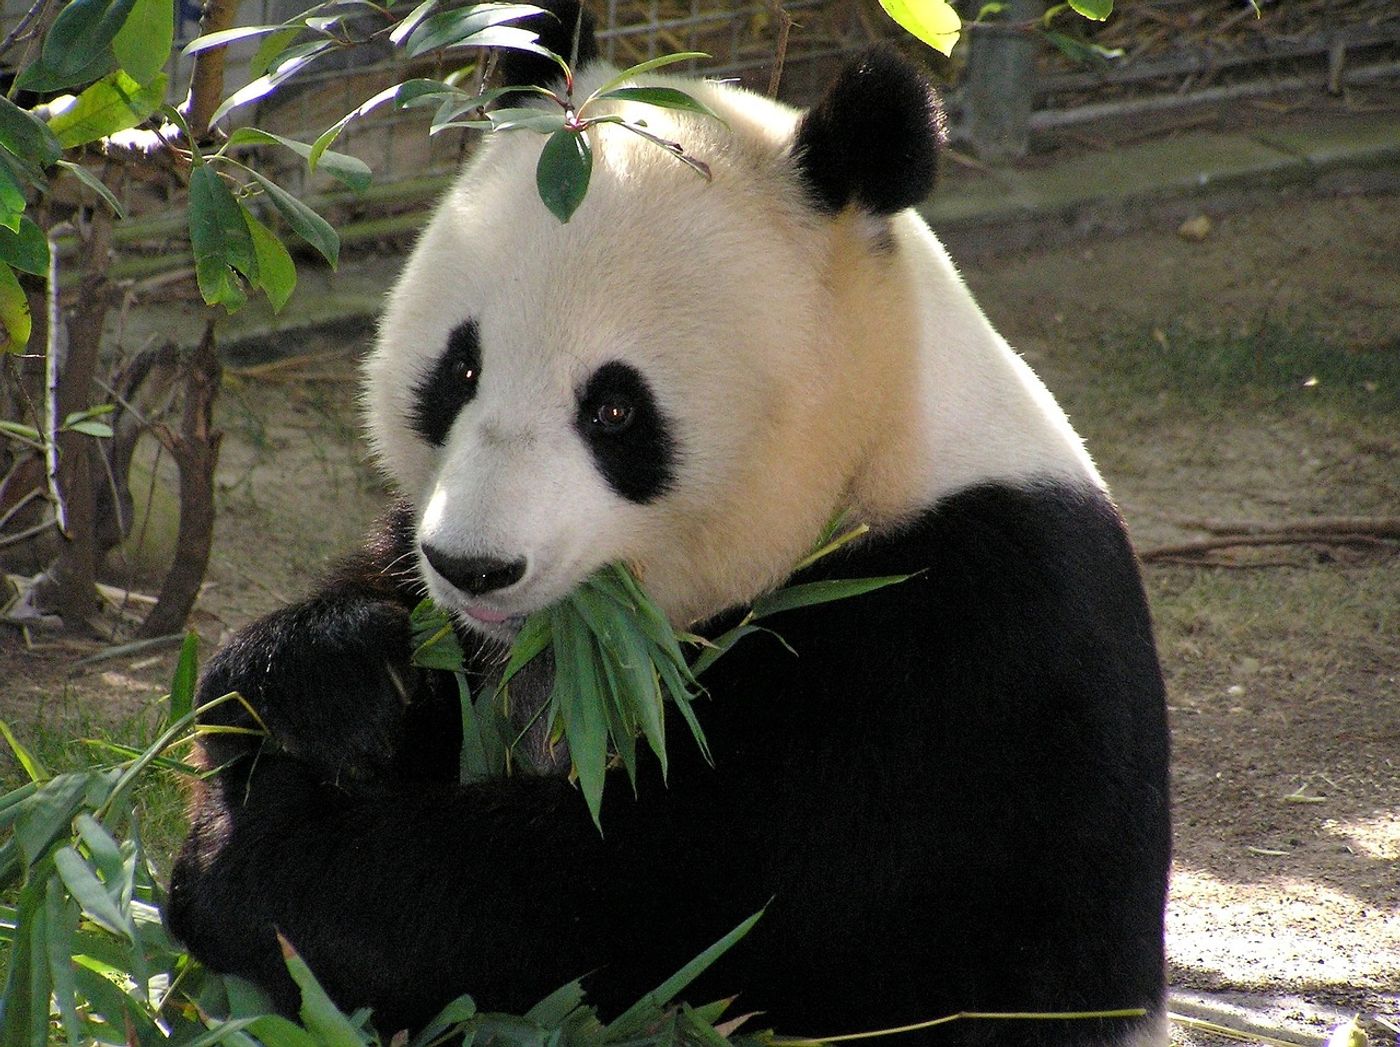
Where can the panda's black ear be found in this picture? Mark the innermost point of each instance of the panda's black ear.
(568, 30)
(874, 137)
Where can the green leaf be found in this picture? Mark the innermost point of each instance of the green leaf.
(636, 1017)
(646, 67)
(809, 593)
(26, 250)
(95, 184)
(90, 893)
(1082, 51)
(48, 813)
(272, 48)
(331, 133)
(90, 427)
(462, 1009)
(26, 136)
(562, 174)
(664, 97)
(287, 65)
(110, 105)
(12, 198)
(142, 44)
(579, 701)
(474, 763)
(322, 1018)
(932, 21)
(228, 36)
(182, 685)
(61, 918)
(529, 119)
(78, 42)
(32, 767)
(277, 273)
(1096, 10)
(41, 78)
(411, 20)
(220, 239)
(554, 1009)
(350, 170)
(14, 312)
(304, 221)
(450, 28)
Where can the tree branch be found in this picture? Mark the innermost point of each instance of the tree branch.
(207, 78)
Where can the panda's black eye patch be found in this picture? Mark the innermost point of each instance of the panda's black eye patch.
(448, 386)
(629, 437)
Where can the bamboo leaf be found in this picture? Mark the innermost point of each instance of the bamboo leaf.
(322, 1018)
(88, 891)
(32, 767)
(576, 695)
(633, 1020)
(47, 813)
(808, 594)
(474, 763)
(182, 685)
(61, 917)
(142, 44)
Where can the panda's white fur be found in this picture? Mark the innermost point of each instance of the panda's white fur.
(806, 366)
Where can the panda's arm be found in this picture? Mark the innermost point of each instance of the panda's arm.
(328, 677)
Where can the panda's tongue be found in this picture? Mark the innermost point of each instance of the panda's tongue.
(489, 617)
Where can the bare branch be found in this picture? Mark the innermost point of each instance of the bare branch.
(784, 19)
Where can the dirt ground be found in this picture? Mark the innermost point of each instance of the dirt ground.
(1283, 667)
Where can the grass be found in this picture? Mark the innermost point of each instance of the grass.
(57, 735)
(1270, 366)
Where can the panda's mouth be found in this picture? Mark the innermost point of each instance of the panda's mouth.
(490, 617)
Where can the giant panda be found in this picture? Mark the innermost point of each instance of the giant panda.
(950, 794)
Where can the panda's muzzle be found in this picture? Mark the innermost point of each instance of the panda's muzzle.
(474, 575)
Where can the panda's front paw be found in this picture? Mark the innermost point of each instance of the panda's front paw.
(328, 679)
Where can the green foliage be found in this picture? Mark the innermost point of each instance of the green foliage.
(932, 21)
(617, 661)
(88, 961)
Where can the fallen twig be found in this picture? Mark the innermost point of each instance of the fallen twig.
(1204, 545)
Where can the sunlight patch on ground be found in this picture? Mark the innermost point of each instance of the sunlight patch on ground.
(1261, 933)
(1377, 837)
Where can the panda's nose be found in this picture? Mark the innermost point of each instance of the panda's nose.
(476, 575)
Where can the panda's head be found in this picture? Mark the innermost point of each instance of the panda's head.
(691, 376)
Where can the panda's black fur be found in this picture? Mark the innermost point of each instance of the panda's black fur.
(951, 794)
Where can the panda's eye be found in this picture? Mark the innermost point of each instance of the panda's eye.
(464, 371)
(614, 416)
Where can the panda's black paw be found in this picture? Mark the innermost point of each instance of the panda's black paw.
(328, 679)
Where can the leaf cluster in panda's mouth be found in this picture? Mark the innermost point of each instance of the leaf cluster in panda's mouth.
(617, 659)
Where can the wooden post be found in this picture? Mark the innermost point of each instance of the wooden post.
(1001, 83)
